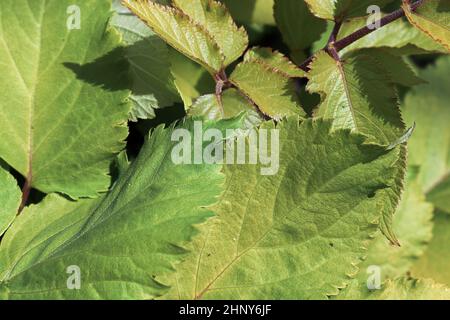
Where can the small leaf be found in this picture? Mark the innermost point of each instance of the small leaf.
(123, 243)
(10, 198)
(57, 130)
(282, 236)
(180, 31)
(272, 90)
(215, 18)
(432, 18)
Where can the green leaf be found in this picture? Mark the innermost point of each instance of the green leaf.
(231, 105)
(298, 26)
(251, 11)
(216, 19)
(10, 198)
(282, 236)
(358, 95)
(342, 9)
(201, 29)
(123, 243)
(398, 37)
(433, 19)
(404, 288)
(275, 60)
(60, 131)
(427, 105)
(435, 263)
(268, 82)
(148, 56)
(191, 79)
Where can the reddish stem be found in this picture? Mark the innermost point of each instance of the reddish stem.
(358, 34)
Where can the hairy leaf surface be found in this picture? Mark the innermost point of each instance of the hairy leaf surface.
(50, 125)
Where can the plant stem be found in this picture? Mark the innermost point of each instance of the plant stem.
(358, 34)
(25, 192)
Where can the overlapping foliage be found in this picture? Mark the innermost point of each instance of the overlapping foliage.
(344, 199)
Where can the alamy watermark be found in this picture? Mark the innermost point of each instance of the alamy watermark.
(374, 277)
(74, 17)
(374, 20)
(230, 146)
(74, 280)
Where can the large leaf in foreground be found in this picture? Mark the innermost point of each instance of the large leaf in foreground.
(122, 243)
(60, 132)
(433, 19)
(427, 105)
(152, 82)
(297, 234)
(10, 196)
